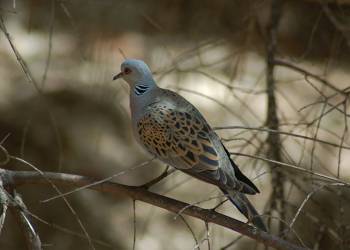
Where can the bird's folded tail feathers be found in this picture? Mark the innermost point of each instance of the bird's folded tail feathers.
(247, 185)
(246, 208)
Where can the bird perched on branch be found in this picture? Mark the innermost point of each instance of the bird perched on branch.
(174, 131)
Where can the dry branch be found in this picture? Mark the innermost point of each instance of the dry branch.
(16, 178)
(306, 73)
(272, 121)
(32, 239)
(4, 202)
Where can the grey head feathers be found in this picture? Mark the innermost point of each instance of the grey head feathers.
(138, 75)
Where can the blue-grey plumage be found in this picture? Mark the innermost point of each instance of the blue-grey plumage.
(173, 130)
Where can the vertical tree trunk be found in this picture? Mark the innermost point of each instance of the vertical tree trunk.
(272, 122)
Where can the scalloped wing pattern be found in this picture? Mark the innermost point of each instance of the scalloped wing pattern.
(168, 133)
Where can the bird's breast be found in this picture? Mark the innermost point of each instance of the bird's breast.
(153, 134)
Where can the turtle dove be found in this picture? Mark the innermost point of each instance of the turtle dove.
(174, 131)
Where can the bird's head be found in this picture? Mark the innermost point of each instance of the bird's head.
(135, 72)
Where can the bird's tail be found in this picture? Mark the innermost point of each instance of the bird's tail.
(246, 208)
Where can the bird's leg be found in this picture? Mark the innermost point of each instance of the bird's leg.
(154, 181)
(218, 205)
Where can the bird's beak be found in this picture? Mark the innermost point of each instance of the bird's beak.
(118, 76)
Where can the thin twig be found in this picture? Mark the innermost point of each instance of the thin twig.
(291, 166)
(134, 224)
(4, 202)
(283, 133)
(70, 207)
(207, 237)
(143, 164)
(156, 180)
(197, 246)
(308, 198)
(31, 237)
(49, 52)
(279, 62)
(231, 243)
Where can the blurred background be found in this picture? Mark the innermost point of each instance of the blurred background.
(73, 118)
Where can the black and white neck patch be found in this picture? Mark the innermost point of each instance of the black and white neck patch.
(140, 89)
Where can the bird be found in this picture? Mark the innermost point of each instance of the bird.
(173, 130)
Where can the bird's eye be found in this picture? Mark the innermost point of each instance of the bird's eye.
(127, 71)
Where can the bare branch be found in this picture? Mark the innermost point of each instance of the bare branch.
(4, 202)
(100, 181)
(134, 224)
(284, 133)
(137, 193)
(293, 167)
(19, 211)
(308, 74)
(197, 246)
(70, 207)
(307, 198)
(272, 121)
(156, 180)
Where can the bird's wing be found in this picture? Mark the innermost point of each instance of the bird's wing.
(178, 137)
(186, 142)
(175, 131)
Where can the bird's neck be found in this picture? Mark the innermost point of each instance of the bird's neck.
(140, 89)
(143, 86)
(141, 94)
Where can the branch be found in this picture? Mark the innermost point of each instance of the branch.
(4, 202)
(156, 180)
(309, 74)
(263, 129)
(294, 167)
(338, 24)
(337, 2)
(19, 211)
(17, 178)
(272, 121)
(19, 58)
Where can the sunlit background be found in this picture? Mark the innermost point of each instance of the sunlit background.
(73, 118)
